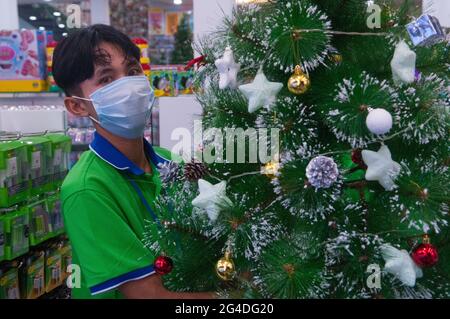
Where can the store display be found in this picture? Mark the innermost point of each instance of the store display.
(225, 267)
(52, 87)
(9, 284)
(40, 222)
(142, 44)
(2, 238)
(60, 153)
(23, 61)
(66, 258)
(299, 82)
(14, 186)
(53, 268)
(32, 276)
(54, 210)
(162, 82)
(39, 164)
(184, 82)
(16, 228)
(425, 31)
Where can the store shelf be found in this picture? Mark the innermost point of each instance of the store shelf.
(29, 95)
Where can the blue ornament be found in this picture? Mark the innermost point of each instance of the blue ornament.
(322, 172)
(425, 31)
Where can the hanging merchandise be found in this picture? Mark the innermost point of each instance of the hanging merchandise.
(163, 265)
(322, 172)
(14, 186)
(16, 228)
(53, 270)
(228, 70)
(261, 92)
(403, 64)
(9, 284)
(2, 238)
(425, 31)
(299, 82)
(401, 265)
(40, 224)
(59, 154)
(225, 267)
(381, 167)
(379, 121)
(55, 213)
(32, 276)
(40, 163)
(66, 258)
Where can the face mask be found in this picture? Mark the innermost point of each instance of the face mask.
(123, 107)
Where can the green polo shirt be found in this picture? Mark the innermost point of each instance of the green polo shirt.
(105, 218)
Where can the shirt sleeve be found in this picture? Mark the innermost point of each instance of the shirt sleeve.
(108, 250)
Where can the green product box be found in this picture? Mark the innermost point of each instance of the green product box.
(40, 163)
(16, 228)
(9, 284)
(40, 224)
(53, 269)
(162, 82)
(14, 186)
(54, 210)
(60, 153)
(66, 258)
(32, 278)
(2, 238)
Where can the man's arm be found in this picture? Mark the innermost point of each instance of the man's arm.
(151, 287)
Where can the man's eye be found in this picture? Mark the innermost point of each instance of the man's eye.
(105, 80)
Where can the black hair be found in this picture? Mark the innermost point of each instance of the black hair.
(76, 56)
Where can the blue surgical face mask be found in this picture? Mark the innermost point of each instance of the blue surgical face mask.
(123, 107)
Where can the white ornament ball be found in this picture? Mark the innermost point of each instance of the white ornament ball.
(379, 121)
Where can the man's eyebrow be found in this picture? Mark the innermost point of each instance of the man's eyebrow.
(102, 70)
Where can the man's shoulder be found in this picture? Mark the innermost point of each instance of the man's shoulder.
(89, 173)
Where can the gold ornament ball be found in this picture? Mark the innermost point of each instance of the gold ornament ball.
(225, 268)
(336, 58)
(299, 82)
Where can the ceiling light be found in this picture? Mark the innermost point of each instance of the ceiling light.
(57, 14)
(42, 28)
(177, 2)
(32, 18)
(61, 25)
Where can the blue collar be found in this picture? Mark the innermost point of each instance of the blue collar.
(107, 152)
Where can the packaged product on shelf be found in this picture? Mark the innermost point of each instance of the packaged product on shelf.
(54, 210)
(66, 258)
(9, 284)
(16, 228)
(32, 276)
(40, 163)
(2, 238)
(53, 271)
(22, 61)
(184, 82)
(81, 136)
(60, 152)
(162, 82)
(14, 186)
(50, 48)
(40, 224)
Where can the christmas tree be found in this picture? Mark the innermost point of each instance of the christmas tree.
(183, 42)
(354, 203)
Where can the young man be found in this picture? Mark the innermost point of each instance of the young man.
(108, 196)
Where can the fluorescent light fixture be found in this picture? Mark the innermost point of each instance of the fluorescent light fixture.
(32, 18)
(61, 25)
(177, 2)
(57, 14)
(64, 34)
(42, 28)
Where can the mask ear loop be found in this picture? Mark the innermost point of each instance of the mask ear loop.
(89, 100)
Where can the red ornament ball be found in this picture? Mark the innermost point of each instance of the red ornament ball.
(163, 265)
(357, 158)
(425, 255)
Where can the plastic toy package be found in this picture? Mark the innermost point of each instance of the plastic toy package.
(40, 224)
(54, 210)
(16, 228)
(9, 284)
(53, 269)
(32, 276)
(14, 186)
(2, 238)
(59, 153)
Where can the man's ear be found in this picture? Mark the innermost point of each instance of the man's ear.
(76, 107)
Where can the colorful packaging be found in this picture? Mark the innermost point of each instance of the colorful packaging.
(162, 82)
(53, 270)
(184, 82)
(14, 186)
(66, 258)
(2, 238)
(60, 153)
(9, 284)
(22, 61)
(16, 228)
(40, 163)
(32, 279)
(54, 210)
(40, 224)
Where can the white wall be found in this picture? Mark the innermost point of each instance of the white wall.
(440, 9)
(9, 15)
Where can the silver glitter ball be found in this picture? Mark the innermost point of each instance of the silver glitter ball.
(322, 172)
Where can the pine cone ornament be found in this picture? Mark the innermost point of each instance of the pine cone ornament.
(322, 172)
(193, 171)
(169, 172)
